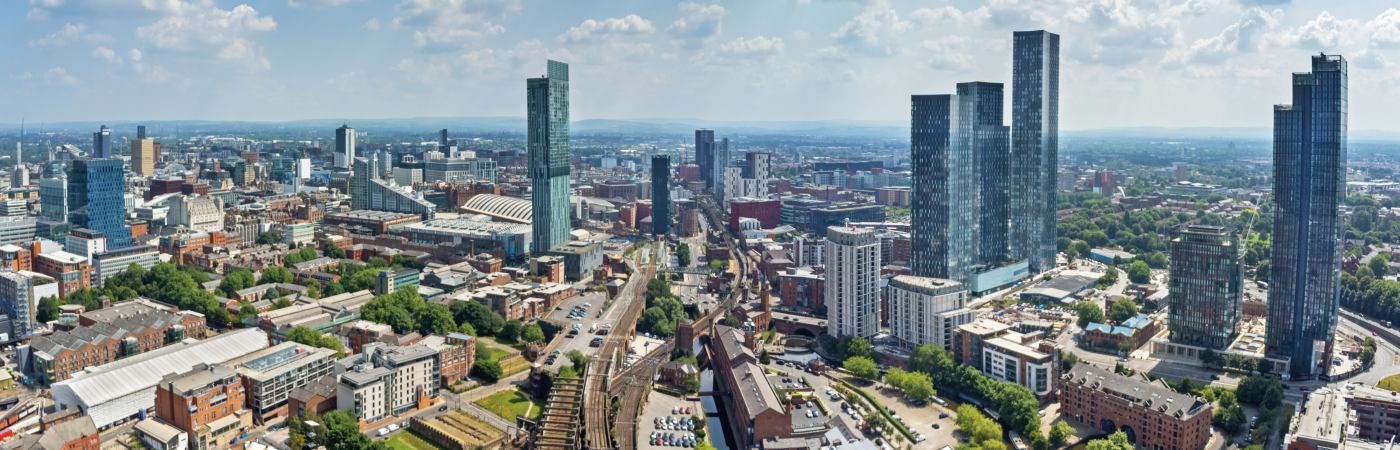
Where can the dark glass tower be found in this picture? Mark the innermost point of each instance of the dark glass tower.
(1203, 300)
(704, 152)
(1310, 154)
(547, 104)
(102, 143)
(95, 188)
(661, 195)
(959, 207)
(1035, 143)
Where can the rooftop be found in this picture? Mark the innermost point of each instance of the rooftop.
(1152, 395)
(197, 378)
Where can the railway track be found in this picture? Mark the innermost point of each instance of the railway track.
(597, 395)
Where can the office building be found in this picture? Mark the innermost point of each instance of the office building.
(506, 240)
(143, 157)
(1203, 297)
(458, 170)
(102, 143)
(1310, 158)
(1035, 143)
(661, 195)
(548, 145)
(16, 258)
(18, 230)
(1159, 417)
(1001, 353)
(388, 380)
(71, 271)
(53, 199)
(270, 374)
(202, 213)
(367, 191)
(344, 147)
(107, 264)
(96, 189)
(206, 403)
(852, 284)
(704, 151)
(926, 310)
(20, 292)
(958, 149)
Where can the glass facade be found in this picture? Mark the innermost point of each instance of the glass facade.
(102, 143)
(661, 195)
(1310, 153)
(1203, 299)
(95, 199)
(704, 150)
(547, 105)
(958, 147)
(1035, 142)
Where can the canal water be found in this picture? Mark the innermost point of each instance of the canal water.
(718, 428)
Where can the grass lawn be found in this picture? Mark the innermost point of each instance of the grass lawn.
(408, 440)
(1391, 383)
(511, 403)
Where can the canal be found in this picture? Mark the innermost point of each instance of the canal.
(717, 427)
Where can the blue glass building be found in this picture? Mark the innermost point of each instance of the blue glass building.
(1310, 154)
(95, 189)
(547, 107)
(1035, 142)
(661, 195)
(102, 143)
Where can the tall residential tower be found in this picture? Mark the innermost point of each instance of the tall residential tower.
(661, 195)
(1035, 142)
(344, 156)
(1203, 296)
(1310, 158)
(852, 286)
(547, 104)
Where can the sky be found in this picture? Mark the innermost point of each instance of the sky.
(1124, 63)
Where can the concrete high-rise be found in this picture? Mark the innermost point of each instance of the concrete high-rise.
(1203, 296)
(757, 166)
(102, 143)
(719, 162)
(661, 195)
(958, 149)
(1310, 159)
(344, 156)
(852, 285)
(704, 152)
(143, 157)
(1035, 143)
(96, 189)
(547, 106)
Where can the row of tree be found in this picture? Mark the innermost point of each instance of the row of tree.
(664, 311)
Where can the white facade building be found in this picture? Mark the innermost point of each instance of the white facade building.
(852, 288)
(926, 310)
(197, 213)
(389, 380)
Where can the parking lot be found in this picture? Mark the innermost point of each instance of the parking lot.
(561, 316)
(664, 406)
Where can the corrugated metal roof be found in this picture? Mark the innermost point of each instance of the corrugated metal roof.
(114, 380)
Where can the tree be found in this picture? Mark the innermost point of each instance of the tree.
(978, 428)
(578, 359)
(1379, 265)
(861, 367)
(47, 310)
(1108, 278)
(859, 346)
(764, 358)
(1368, 351)
(1088, 312)
(487, 371)
(1116, 441)
(1229, 419)
(1139, 272)
(1060, 432)
(480, 317)
(269, 238)
(341, 431)
(532, 333)
(511, 331)
(235, 281)
(434, 319)
(1123, 309)
(246, 311)
(1067, 361)
(275, 274)
(683, 254)
(314, 338)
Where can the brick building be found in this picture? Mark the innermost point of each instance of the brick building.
(207, 403)
(57, 356)
(71, 271)
(802, 288)
(1153, 415)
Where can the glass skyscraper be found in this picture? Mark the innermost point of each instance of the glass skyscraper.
(1035, 143)
(1310, 154)
(958, 148)
(547, 107)
(102, 143)
(1203, 299)
(661, 195)
(95, 199)
(704, 151)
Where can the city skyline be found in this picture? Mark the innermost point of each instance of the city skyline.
(1134, 64)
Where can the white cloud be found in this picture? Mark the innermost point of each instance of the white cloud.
(949, 53)
(202, 26)
(22, 76)
(318, 3)
(949, 15)
(754, 47)
(875, 31)
(1385, 28)
(107, 54)
(134, 55)
(592, 30)
(69, 33)
(1242, 36)
(452, 23)
(698, 22)
(1324, 33)
(60, 76)
(372, 24)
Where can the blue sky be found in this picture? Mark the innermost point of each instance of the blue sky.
(1125, 63)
